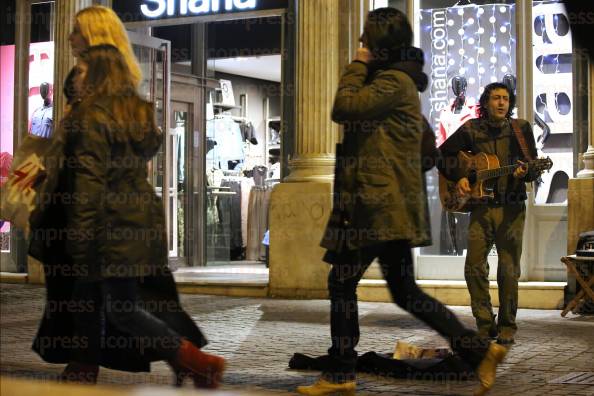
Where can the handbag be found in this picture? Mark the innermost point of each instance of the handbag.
(32, 180)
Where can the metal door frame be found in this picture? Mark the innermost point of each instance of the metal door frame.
(147, 41)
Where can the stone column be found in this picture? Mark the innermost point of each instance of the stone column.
(65, 10)
(588, 156)
(301, 205)
(580, 194)
(317, 77)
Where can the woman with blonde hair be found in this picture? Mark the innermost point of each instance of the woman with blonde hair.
(118, 255)
(96, 25)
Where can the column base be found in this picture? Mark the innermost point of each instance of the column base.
(580, 211)
(588, 171)
(298, 215)
(315, 168)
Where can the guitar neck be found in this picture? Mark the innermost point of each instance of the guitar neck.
(497, 172)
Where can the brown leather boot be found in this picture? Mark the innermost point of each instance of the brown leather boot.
(205, 369)
(80, 372)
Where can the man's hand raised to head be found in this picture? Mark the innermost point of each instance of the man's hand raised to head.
(363, 55)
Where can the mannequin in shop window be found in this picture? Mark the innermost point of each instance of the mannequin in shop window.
(454, 225)
(42, 121)
(461, 110)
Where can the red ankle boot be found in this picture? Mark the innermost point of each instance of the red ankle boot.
(80, 372)
(205, 369)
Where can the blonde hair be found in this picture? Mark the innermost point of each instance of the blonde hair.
(100, 25)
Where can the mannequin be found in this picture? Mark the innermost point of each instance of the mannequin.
(454, 225)
(459, 85)
(42, 118)
(461, 110)
(510, 81)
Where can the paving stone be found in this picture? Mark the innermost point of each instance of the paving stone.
(259, 336)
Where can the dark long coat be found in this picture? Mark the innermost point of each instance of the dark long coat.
(105, 220)
(379, 188)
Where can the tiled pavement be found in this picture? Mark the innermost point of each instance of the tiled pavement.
(258, 337)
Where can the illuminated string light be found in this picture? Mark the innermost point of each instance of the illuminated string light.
(493, 40)
(480, 50)
(462, 51)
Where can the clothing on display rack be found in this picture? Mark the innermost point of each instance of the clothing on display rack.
(246, 187)
(259, 174)
(247, 132)
(217, 239)
(230, 214)
(257, 223)
(229, 142)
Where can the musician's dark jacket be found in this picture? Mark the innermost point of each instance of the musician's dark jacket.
(478, 135)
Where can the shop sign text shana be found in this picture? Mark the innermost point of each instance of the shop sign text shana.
(160, 8)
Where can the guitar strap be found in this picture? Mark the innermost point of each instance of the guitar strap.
(521, 140)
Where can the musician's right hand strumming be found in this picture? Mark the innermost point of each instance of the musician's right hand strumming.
(463, 187)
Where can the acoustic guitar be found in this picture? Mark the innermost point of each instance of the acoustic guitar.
(482, 171)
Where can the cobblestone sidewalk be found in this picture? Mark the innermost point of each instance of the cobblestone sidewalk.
(259, 336)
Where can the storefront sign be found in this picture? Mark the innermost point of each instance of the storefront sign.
(156, 8)
(475, 43)
(147, 10)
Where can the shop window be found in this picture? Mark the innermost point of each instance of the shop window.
(41, 70)
(39, 93)
(552, 88)
(467, 45)
(7, 57)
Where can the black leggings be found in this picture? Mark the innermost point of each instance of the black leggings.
(397, 267)
(117, 300)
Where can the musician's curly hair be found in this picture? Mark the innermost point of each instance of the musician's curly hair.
(483, 113)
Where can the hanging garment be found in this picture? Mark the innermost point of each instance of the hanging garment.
(248, 133)
(233, 211)
(229, 142)
(257, 222)
(246, 186)
(259, 175)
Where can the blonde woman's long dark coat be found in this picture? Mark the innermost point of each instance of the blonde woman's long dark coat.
(379, 193)
(106, 221)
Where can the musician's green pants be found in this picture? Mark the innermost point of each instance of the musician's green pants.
(502, 226)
